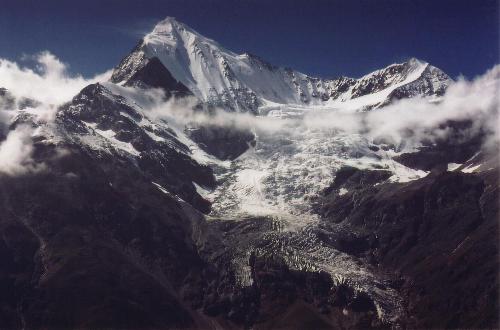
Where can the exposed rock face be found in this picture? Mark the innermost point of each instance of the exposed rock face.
(158, 153)
(462, 141)
(119, 238)
(222, 142)
(100, 237)
(84, 253)
(272, 293)
(182, 62)
(119, 235)
(139, 71)
(154, 74)
(103, 247)
(430, 81)
(438, 233)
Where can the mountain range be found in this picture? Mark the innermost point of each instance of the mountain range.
(202, 189)
(248, 83)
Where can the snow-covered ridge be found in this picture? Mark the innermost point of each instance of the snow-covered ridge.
(247, 83)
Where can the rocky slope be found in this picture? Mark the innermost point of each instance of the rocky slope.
(113, 236)
(111, 233)
(437, 234)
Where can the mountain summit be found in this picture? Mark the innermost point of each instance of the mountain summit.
(245, 82)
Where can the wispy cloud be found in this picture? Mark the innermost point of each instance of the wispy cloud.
(409, 121)
(136, 29)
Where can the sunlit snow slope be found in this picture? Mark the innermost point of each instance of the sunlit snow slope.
(247, 83)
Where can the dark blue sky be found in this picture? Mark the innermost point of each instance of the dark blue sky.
(324, 38)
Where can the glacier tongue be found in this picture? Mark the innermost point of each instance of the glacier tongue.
(277, 180)
(291, 166)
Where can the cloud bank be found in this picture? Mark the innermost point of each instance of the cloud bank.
(408, 122)
(39, 90)
(49, 82)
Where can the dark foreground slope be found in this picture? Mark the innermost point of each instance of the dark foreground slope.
(65, 253)
(92, 244)
(99, 237)
(100, 246)
(439, 235)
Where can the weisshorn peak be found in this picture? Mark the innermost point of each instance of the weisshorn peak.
(245, 82)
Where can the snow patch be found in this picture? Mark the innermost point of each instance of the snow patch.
(471, 168)
(248, 187)
(453, 166)
(109, 135)
(205, 193)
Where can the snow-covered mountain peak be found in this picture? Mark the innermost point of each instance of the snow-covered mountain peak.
(246, 82)
(411, 65)
(168, 27)
(165, 32)
(171, 32)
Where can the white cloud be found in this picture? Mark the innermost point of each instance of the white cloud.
(16, 151)
(410, 120)
(475, 100)
(50, 83)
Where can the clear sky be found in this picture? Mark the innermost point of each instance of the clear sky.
(318, 37)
